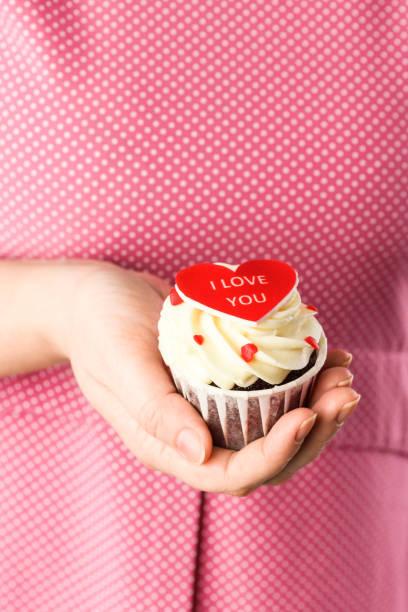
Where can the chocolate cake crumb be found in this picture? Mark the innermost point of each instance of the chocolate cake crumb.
(259, 384)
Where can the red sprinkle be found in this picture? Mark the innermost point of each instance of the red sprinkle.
(310, 340)
(198, 338)
(248, 351)
(175, 298)
(310, 307)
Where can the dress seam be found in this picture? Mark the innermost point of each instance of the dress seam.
(198, 551)
(371, 449)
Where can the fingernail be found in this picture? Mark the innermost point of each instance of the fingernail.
(348, 360)
(305, 428)
(189, 445)
(347, 381)
(347, 410)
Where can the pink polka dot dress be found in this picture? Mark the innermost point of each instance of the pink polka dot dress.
(157, 134)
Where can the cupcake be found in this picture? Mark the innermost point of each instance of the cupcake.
(241, 346)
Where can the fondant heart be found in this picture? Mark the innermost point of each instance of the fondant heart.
(250, 293)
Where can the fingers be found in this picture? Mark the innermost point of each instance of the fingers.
(332, 408)
(226, 471)
(270, 460)
(334, 401)
(173, 420)
(329, 379)
(144, 387)
(238, 473)
(245, 471)
(165, 421)
(337, 357)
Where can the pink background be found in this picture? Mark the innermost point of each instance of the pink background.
(161, 134)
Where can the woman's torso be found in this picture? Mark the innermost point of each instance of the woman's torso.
(160, 134)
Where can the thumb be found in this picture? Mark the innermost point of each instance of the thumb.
(145, 389)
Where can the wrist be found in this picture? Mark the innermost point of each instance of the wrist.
(56, 321)
(36, 302)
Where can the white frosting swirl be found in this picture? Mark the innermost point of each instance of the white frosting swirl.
(280, 340)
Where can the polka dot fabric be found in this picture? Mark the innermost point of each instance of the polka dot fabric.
(159, 134)
(83, 525)
(295, 547)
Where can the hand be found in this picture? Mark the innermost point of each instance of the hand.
(333, 401)
(111, 340)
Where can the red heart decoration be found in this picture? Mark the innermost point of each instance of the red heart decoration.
(250, 293)
(248, 351)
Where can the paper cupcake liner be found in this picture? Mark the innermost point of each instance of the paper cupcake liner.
(236, 418)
